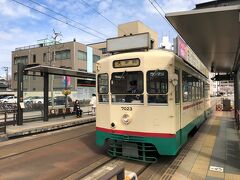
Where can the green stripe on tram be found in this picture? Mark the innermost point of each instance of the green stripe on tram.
(164, 146)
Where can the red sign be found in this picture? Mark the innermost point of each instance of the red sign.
(182, 48)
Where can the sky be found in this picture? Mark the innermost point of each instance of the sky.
(90, 20)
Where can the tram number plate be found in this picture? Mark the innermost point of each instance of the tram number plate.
(126, 108)
(130, 149)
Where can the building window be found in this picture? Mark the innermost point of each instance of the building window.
(62, 55)
(34, 58)
(44, 57)
(21, 59)
(95, 58)
(84, 70)
(104, 50)
(82, 55)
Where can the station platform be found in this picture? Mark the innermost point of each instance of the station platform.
(40, 126)
(215, 153)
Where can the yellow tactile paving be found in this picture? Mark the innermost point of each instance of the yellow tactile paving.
(216, 174)
(200, 167)
(232, 176)
(196, 163)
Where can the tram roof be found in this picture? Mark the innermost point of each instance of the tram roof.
(60, 71)
(212, 33)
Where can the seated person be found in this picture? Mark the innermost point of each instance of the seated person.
(133, 90)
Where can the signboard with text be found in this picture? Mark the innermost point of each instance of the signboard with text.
(186, 53)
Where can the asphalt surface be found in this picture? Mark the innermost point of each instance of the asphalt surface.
(50, 156)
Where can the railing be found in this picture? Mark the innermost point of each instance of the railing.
(117, 171)
(3, 124)
(6, 120)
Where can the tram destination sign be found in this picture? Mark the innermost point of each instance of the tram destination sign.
(128, 43)
(126, 63)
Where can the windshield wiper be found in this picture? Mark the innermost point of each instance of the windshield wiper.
(123, 74)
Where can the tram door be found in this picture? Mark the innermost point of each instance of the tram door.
(178, 106)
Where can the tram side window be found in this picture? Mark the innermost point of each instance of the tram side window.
(157, 86)
(185, 86)
(103, 88)
(202, 90)
(189, 87)
(194, 88)
(206, 90)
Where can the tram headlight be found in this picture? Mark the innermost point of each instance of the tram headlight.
(126, 119)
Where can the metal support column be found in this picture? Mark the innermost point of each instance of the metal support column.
(65, 86)
(20, 74)
(45, 95)
(236, 96)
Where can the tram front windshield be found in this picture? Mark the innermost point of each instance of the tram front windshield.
(127, 87)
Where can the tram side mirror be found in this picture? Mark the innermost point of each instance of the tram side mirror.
(174, 79)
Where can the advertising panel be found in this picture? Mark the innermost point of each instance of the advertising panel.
(182, 48)
(185, 52)
(137, 41)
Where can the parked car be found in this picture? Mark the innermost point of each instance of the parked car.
(9, 99)
(37, 100)
(30, 99)
(5, 95)
(60, 100)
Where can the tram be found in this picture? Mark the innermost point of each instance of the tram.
(148, 103)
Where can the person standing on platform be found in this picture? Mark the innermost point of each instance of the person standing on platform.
(93, 104)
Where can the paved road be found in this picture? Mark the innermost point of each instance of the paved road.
(51, 156)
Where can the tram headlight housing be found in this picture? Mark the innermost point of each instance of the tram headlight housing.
(126, 119)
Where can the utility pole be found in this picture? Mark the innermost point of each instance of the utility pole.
(55, 36)
(6, 70)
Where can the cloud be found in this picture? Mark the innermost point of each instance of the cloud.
(177, 5)
(104, 5)
(16, 32)
(11, 9)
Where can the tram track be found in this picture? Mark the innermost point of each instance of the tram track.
(163, 169)
(66, 153)
(89, 160)
(32, 144)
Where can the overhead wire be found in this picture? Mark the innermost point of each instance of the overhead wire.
(44, 6)
(103, 16)
(161, 13)
(57, 19)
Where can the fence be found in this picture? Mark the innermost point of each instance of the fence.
(7, 115)
(7, 118)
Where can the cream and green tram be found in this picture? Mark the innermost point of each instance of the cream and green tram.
(148, 103)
